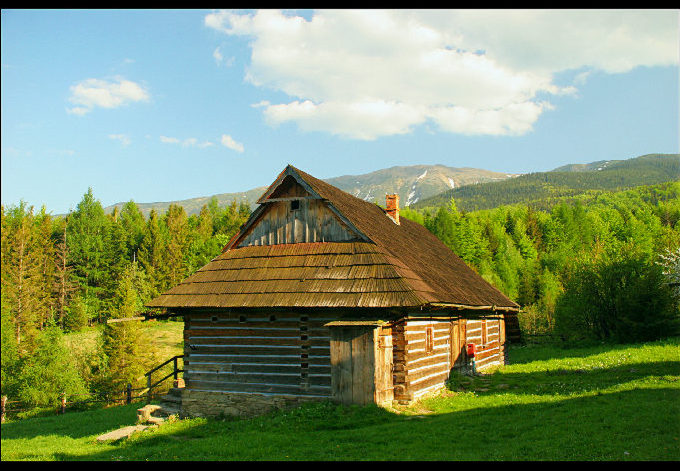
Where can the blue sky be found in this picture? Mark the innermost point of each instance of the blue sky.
(163, 105)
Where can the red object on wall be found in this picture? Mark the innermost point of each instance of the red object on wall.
(471, 349)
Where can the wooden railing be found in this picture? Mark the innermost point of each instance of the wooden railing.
(175, 374)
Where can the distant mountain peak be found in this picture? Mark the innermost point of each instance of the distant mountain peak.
(412, 183)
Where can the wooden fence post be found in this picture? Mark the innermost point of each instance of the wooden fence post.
(129, 393)
(4, 401)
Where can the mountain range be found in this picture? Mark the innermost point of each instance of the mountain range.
(542, 189)
(421, 186)
(412, 183)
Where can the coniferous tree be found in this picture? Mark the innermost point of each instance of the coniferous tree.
(178, 240)
(87, 233)
(127, 351)
(133, 223)
(23, 274)
(152, 254)
(63, 286)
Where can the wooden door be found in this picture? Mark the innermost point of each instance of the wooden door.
(384, 381)
(352, 364)
(361, 365)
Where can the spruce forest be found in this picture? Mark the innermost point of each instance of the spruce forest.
(598, 264)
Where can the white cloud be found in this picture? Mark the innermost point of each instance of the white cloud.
(217, 55)
(122, 138)
(220, 59)
(169, 140)
(371, 73)
(228, 141)
(188, 142)
(91, 93)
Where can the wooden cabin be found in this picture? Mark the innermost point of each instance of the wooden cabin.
(321, 295)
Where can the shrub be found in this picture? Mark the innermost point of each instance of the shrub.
(49, 372)
(625, 298)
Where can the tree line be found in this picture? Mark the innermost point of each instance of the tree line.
(595, 266)
(60, 274)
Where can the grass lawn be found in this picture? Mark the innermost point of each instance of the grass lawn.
(598, 403)
(167, 337)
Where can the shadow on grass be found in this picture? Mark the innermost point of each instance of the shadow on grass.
(634, 424)
(73, 424)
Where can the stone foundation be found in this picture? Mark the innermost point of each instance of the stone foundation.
(216, 404)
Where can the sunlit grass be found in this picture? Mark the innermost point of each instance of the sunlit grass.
(590, 403)
(166, 337)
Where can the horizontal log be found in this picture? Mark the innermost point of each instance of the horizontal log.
(256, 349)
(258, 332)
(292, 341)
(257, 323)
(292, 369)
(280, 379)
(295, 359)
(426, 382)
(259, 388)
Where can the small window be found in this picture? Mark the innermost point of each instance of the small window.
(272, 318)
(429, 340)
(295, 205)
(213, 318)
(242, 318)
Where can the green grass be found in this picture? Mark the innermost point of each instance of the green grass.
(596, 403)
(167, 338)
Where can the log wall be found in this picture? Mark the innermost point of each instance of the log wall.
(486, 334)
(288, 353)
(420, 368)
(266, 352)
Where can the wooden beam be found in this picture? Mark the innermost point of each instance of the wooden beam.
(126, 319)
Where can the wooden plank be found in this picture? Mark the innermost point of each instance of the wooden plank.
(344, 364)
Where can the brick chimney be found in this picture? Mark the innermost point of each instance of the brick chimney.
(392, 203)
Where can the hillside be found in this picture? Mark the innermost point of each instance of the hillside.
(412, 183)
(541, 189)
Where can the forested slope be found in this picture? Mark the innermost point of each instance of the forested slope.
(543, 189)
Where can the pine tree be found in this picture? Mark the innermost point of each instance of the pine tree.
(152, 254)
(178, 241)
(127, 351)
(133, 223)
(22, 274)
(63, 286)
(87, 232)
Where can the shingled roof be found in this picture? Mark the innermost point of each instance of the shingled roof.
(390, 265)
